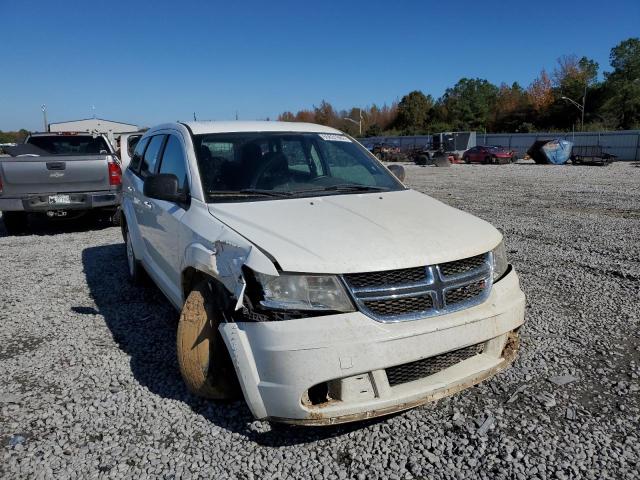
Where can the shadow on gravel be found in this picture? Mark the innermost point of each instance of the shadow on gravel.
(41, 225)
(143, 325)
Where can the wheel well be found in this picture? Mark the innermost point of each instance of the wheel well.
(191, 277)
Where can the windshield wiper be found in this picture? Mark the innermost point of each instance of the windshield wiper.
(249, 192)
(348, 187)
(342, 187)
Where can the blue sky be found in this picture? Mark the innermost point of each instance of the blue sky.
(161, 61)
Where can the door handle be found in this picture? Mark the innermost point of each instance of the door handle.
(148, 204)
(129, 189)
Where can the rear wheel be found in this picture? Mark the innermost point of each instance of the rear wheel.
(203, 358)
(16, 223)
(114, 218)
(466, 159)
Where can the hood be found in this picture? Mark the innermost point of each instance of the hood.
(358, 232)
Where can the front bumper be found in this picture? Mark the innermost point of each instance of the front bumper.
(78, 201)
(278, 362)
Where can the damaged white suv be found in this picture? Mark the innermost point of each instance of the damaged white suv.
(309, 276)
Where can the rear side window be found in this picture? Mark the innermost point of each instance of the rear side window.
(173, 161)
(136, 159)
(71, 144)
(151, 155)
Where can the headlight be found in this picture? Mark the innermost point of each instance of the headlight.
(500, 263)
(304, 292)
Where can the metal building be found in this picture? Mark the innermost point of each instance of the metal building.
(97, 125)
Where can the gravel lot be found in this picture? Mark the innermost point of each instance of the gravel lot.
(90, 386)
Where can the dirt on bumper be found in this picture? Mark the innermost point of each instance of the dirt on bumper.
(319, 418)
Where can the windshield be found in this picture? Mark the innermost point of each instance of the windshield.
(278, 164)
(70, 144)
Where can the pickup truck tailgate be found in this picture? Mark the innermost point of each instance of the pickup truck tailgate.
(54, 174)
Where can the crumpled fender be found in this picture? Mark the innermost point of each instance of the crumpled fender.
(224, 259)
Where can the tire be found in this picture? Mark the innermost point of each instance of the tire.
(466, 159)
(203, 358)
(16, 223)
(486, 161)
(115, 218)
(136, 272)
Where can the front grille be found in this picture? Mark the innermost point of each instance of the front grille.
(462, 266)
(410, 372)
(389, 277)
(420, 292)
(463, 294)
(400, 306)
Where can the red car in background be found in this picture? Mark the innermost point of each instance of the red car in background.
(489, 154)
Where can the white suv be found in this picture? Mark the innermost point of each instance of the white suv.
(309, 276)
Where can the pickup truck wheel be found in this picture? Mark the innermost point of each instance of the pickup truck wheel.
(114, 218)
(15, 222)
(136, 273)
(203, 358)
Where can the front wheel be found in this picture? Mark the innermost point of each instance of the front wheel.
(203, 358)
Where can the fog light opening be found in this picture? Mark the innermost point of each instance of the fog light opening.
(316, 395)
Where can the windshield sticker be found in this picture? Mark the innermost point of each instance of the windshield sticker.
(332, 137)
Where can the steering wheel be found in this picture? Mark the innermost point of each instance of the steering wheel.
(264, 168)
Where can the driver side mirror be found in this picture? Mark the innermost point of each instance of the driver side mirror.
(398, 171)
(163, 186)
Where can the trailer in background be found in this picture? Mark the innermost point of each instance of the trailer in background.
(591, 154)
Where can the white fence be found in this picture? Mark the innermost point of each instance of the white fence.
(624, 144)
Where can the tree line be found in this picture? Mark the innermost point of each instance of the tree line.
(13, 137)
(552, 102)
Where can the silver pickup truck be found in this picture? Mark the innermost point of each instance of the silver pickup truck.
(60, 174)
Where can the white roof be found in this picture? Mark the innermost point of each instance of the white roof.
(199, 128)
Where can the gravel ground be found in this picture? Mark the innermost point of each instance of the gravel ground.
(90, 386)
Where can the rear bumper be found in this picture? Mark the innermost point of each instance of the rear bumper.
(78, 201)
(278, 362)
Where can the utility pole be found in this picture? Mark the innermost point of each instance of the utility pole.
(578, 106)
(93, 109)
(44, 114)
(584, 103)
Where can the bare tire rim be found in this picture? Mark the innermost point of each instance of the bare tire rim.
(130, 257)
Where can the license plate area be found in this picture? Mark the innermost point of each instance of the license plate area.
(59, 199)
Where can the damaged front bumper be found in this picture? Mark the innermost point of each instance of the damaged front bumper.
(348, 367)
